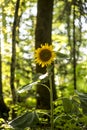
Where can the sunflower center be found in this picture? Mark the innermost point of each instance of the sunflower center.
(45, 55)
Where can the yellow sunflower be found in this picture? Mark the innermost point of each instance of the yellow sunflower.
(44, 55)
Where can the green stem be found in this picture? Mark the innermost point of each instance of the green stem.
(51, 104)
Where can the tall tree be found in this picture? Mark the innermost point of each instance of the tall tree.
(42, 36)
(4, 110)
(13, 59)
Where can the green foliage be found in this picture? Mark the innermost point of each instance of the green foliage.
(83, 100)
(68, 114)
(4, 125)
(29, 119)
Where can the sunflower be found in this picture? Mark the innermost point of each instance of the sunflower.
(44, 55)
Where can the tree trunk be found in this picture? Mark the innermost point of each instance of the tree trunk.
(13, 59)
(74, 48)
(42, 36)
(3, 108)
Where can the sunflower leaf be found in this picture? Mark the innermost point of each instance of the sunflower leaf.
(61, 55)
(28, 87)
(29, 119)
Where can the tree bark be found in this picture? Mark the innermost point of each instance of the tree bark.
(4, 110)
(74, 48)
(13, 58)
(42, 36)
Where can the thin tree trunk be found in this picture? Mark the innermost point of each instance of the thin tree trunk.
(74, 48)
(42, 36)
(13, 59)
(69, 26)
(80, 28)
(4, 110)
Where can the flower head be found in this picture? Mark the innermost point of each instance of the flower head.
(44, 55)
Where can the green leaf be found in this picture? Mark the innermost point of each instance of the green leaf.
(83, 100)
(41, 78)
(61, 55)
(27, 87)
(67, 104)
(29, 119)
(71, 105)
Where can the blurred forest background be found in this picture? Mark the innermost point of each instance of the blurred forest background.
(65, 27)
